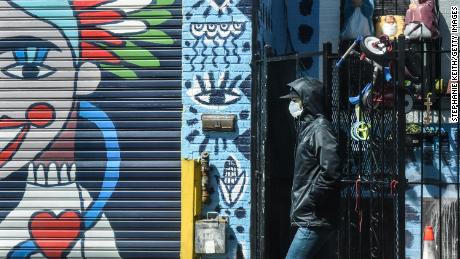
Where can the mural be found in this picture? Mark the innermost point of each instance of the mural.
(46, 75)
(435, 202)
(217, 79)
(232, 181)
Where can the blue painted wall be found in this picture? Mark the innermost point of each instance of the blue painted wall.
(217, 44)
(422, 201)
(299, 26)
(440, 173)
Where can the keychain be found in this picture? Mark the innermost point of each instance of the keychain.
(428, 103)
(360, 129)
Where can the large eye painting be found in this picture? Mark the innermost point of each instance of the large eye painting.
(29, 64)
(212, 93)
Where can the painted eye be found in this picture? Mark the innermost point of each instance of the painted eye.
(212, 27)
(218, 96)
(198, 26)
(28, 71)
(238, 26)
(224, 26)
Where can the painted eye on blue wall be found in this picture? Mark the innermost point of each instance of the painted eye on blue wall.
(29, 71)
(211, 92)
(218, 96)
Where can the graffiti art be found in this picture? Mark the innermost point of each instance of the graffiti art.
(211, 37)
(233, 181)
(217, 79)
(212, 93)
(47, 72)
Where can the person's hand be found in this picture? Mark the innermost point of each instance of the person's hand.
(413, 6)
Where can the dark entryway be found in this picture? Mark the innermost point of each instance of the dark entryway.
(280, 159)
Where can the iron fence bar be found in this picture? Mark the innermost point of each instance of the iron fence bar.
(422, 160)
(349, 169)
(382, 158)
(433, 72)
(401, 136)
(327, 51)
(360, 170)
(433, 183)
(261, 158)
(290, 57)
(457, 138)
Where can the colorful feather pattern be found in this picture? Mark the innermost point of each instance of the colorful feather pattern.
(115, 33)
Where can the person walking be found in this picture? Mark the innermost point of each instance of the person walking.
(315, 192)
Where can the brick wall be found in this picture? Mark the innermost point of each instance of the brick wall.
(216, 58)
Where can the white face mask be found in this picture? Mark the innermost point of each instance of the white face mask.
(389, 29)
(295, 109)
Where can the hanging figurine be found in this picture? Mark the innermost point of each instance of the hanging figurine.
(389, 25)
(421, 20)
(428, 104)
(358, 19)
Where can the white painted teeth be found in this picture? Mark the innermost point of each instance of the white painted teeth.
(40, 175)
(63, 171)
(31, 174)
(52, 175)
(73, 169)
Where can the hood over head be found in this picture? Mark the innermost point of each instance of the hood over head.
(311, 93)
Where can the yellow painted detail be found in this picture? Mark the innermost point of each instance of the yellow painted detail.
(190, 206)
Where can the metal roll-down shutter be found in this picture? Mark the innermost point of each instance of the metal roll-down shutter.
(90, 117)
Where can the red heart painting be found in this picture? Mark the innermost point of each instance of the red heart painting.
(54, 235)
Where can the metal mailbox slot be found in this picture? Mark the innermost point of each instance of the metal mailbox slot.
(211, 235)
(218, 122)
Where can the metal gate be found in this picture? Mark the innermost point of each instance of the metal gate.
(90, 117)
(372, 212)
(374, 180)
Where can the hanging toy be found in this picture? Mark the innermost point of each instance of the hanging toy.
(358, 18)
(408, 103)
(360, 129)
(389, 25)
(421, 20)
(355, 99)
(428, 104)
(439, 86)
(374, 48)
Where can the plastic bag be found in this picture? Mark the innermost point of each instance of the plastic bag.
(357, 25)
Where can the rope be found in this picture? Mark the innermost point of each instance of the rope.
(358, 209)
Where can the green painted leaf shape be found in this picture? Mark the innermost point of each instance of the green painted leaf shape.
(156, 36)
(136, 55)
(165, 2)
(154, 17)
(120, 71)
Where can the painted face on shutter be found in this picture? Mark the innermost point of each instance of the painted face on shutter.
(38, 82)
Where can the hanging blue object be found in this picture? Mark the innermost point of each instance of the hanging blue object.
(355, 99)
(387, 73)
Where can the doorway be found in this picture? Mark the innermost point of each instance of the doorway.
(280, 159)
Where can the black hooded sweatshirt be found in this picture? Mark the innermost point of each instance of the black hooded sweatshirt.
(315, 190)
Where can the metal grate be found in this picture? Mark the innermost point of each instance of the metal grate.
(370, 225)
